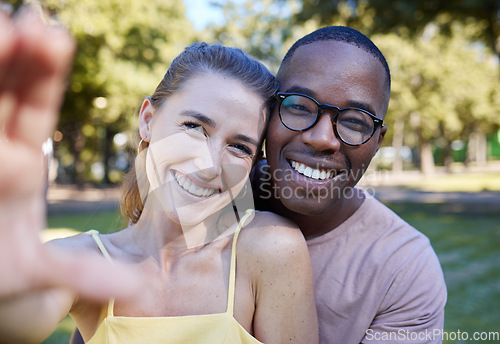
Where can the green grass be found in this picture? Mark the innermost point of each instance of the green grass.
(104, 222)
(466, 240)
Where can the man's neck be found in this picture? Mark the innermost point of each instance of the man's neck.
(313, 226)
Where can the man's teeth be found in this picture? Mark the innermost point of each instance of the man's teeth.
(310, 172)
(192, 188)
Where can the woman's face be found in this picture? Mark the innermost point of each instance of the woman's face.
(202, 143)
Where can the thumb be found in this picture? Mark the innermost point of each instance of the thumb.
(89, 276)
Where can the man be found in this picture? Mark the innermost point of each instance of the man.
(377, 279)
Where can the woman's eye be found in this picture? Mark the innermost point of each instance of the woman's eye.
(195, 127)
(244, 149)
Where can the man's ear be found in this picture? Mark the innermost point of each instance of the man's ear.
(260, 155)
(145, 118)
(381, 135)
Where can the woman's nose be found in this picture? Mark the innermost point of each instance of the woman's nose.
(208, 163)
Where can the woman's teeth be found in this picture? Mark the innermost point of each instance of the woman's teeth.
(311, 172)
(192, 188)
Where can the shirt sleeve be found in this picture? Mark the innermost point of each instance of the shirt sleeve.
(413, 309)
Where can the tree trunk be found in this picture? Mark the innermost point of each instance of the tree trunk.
(108, 142)
(426, 158)
(448, 157)
(78, 146)
(477, 149)
(397, 144)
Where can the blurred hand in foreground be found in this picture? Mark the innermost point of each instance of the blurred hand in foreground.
(35, 59)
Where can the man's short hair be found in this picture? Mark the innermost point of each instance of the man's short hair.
(340, 34)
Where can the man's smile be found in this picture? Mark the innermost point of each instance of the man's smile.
(310, 172)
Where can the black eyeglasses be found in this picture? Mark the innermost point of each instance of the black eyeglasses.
(353, 126)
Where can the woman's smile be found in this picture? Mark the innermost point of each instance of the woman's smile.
(192, 187)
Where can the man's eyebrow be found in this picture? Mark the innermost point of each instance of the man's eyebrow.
(303, 90)
(350, 103)
(200, 117)
(361, 105)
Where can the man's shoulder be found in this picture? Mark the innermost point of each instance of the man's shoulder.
(379, 218)
(386, 241)
(400, 249)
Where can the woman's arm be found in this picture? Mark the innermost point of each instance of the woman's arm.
(35, 279)
(285, 308)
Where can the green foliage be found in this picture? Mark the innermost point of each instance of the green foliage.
(124, 48)
(444, 86)
(407, 17)
(261, 28)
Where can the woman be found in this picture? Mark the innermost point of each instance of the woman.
(205, 278)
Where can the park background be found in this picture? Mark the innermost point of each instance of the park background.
(439, 167)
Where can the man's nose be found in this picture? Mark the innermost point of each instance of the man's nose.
(322, 136)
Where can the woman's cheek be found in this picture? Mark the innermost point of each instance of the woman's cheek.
(235, 176)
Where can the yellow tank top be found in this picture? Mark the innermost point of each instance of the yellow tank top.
(207, 329)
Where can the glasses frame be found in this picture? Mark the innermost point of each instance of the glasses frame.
(281, 96)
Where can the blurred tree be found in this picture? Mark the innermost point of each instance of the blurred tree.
(259, 27)
(124, 48)
(443, 88)
(408, 18)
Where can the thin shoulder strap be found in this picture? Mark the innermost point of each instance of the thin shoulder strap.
(232, 271)
(95, 235)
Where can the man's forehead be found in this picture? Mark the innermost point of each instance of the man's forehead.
(336, 68)
(327, 53)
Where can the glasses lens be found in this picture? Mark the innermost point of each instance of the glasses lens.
(354, 126)
(298, 112)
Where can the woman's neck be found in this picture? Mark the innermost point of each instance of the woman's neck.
(158, 235)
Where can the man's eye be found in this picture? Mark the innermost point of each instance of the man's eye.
(297, 109)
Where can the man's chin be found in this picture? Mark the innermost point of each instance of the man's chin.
(308, 207)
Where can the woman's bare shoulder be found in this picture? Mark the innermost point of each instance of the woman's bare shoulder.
(272, 238)
(83, 242)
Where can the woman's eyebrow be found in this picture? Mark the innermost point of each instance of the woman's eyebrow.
(200, 117)
(247, 139)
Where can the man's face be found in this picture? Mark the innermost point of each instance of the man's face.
(336, 73)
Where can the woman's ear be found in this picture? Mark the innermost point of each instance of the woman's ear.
(145, 118)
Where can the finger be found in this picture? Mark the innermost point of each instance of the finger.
(21, 174)
(37, 78)
(46, 56)
(7, 43)
(7, 39)
(91, 277)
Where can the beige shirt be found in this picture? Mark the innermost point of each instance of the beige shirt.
(377, 280)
